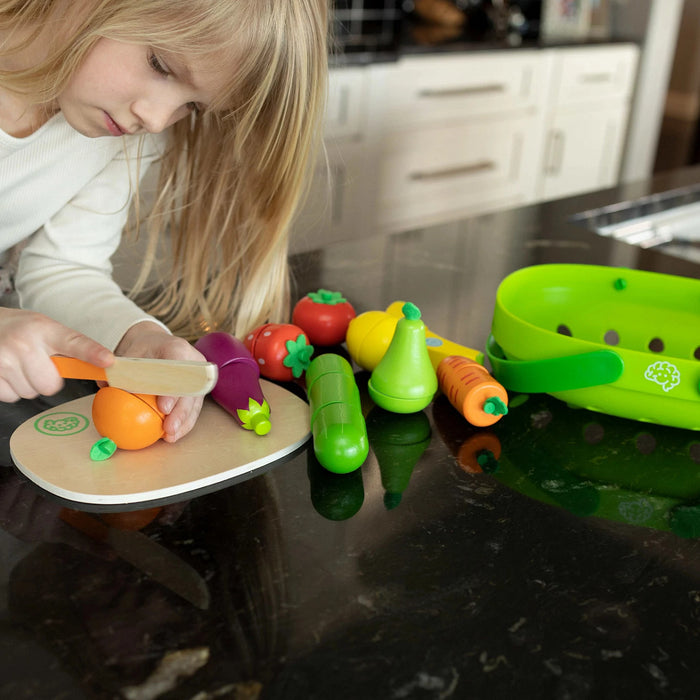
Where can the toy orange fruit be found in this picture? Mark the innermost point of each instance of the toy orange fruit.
(131, 421)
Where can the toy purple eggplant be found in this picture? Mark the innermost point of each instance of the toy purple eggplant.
(237, 389)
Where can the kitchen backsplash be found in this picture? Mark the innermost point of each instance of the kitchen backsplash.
(366, 25)
(376, 27)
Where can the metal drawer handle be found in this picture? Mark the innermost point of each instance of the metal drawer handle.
(555, 151)
(462, 91)
(471, 169)
(343, 105)
(596, 77)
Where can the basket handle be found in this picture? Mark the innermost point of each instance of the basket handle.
(554, 374)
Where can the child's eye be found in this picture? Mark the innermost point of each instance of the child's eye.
(157, 66)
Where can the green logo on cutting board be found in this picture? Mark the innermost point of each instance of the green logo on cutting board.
(61, 423)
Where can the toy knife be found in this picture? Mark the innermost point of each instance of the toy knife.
(144, 375)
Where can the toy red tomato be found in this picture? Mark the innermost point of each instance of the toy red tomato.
(324, 316)
(281, 350)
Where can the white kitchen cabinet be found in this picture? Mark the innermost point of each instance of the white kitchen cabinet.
(591, 74)
(337, 207)
(456, 169)
(458, 135)
(425, 90)
(346, 103)
(583, 151)
(586, 119)
(433, 138)
(339, 202)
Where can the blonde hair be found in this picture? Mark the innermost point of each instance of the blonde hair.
(233, 177)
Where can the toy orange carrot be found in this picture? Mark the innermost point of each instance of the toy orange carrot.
(472, 390)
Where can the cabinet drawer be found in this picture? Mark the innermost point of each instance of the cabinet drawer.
(442, 171)
(340, 203)
(594, 73)
(347, 99)
(583, 152)
(428, 89)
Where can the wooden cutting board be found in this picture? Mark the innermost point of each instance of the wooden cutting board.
(52, 449)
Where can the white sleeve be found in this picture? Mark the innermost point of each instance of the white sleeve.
(65, 271)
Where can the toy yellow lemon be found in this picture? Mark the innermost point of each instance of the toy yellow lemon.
(368, 337)
(131, 421)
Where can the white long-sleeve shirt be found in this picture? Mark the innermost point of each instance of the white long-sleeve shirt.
(68, 196)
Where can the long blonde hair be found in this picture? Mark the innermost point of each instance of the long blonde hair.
(232, 178)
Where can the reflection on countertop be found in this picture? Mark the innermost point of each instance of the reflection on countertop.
(668, 221)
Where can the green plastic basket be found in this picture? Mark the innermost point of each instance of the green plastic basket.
(619, 341)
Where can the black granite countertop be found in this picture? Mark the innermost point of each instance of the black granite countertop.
(553, 571)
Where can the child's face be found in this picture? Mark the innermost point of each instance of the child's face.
(129, 88)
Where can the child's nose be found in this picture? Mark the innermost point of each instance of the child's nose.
(156, 116)
(156, 120)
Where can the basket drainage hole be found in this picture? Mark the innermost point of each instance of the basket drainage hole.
(612, 337)
(646, 443)
(696, 354)
(593, 433)
(563, 329)
(656, 345)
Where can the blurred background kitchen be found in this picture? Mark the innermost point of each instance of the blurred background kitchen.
(441, 109)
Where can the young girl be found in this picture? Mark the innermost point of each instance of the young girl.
(226, 96)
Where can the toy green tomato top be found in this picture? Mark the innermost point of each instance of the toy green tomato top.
(405, 381)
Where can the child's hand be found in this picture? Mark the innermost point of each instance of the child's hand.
(27, 341)
(148, 339)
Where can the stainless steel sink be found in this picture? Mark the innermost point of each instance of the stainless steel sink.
(669, 220)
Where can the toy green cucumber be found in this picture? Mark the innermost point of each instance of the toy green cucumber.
(337, 424)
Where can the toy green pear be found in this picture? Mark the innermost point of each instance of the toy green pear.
(404, 381)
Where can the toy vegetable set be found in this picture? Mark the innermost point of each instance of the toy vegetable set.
(408, 364)
(613, 340)
(117, 456)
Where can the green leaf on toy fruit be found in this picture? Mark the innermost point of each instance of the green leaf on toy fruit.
(103, 449)
(495, 406)
(298, 355)
(411, 311)
(324, 296)
(256, 417)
